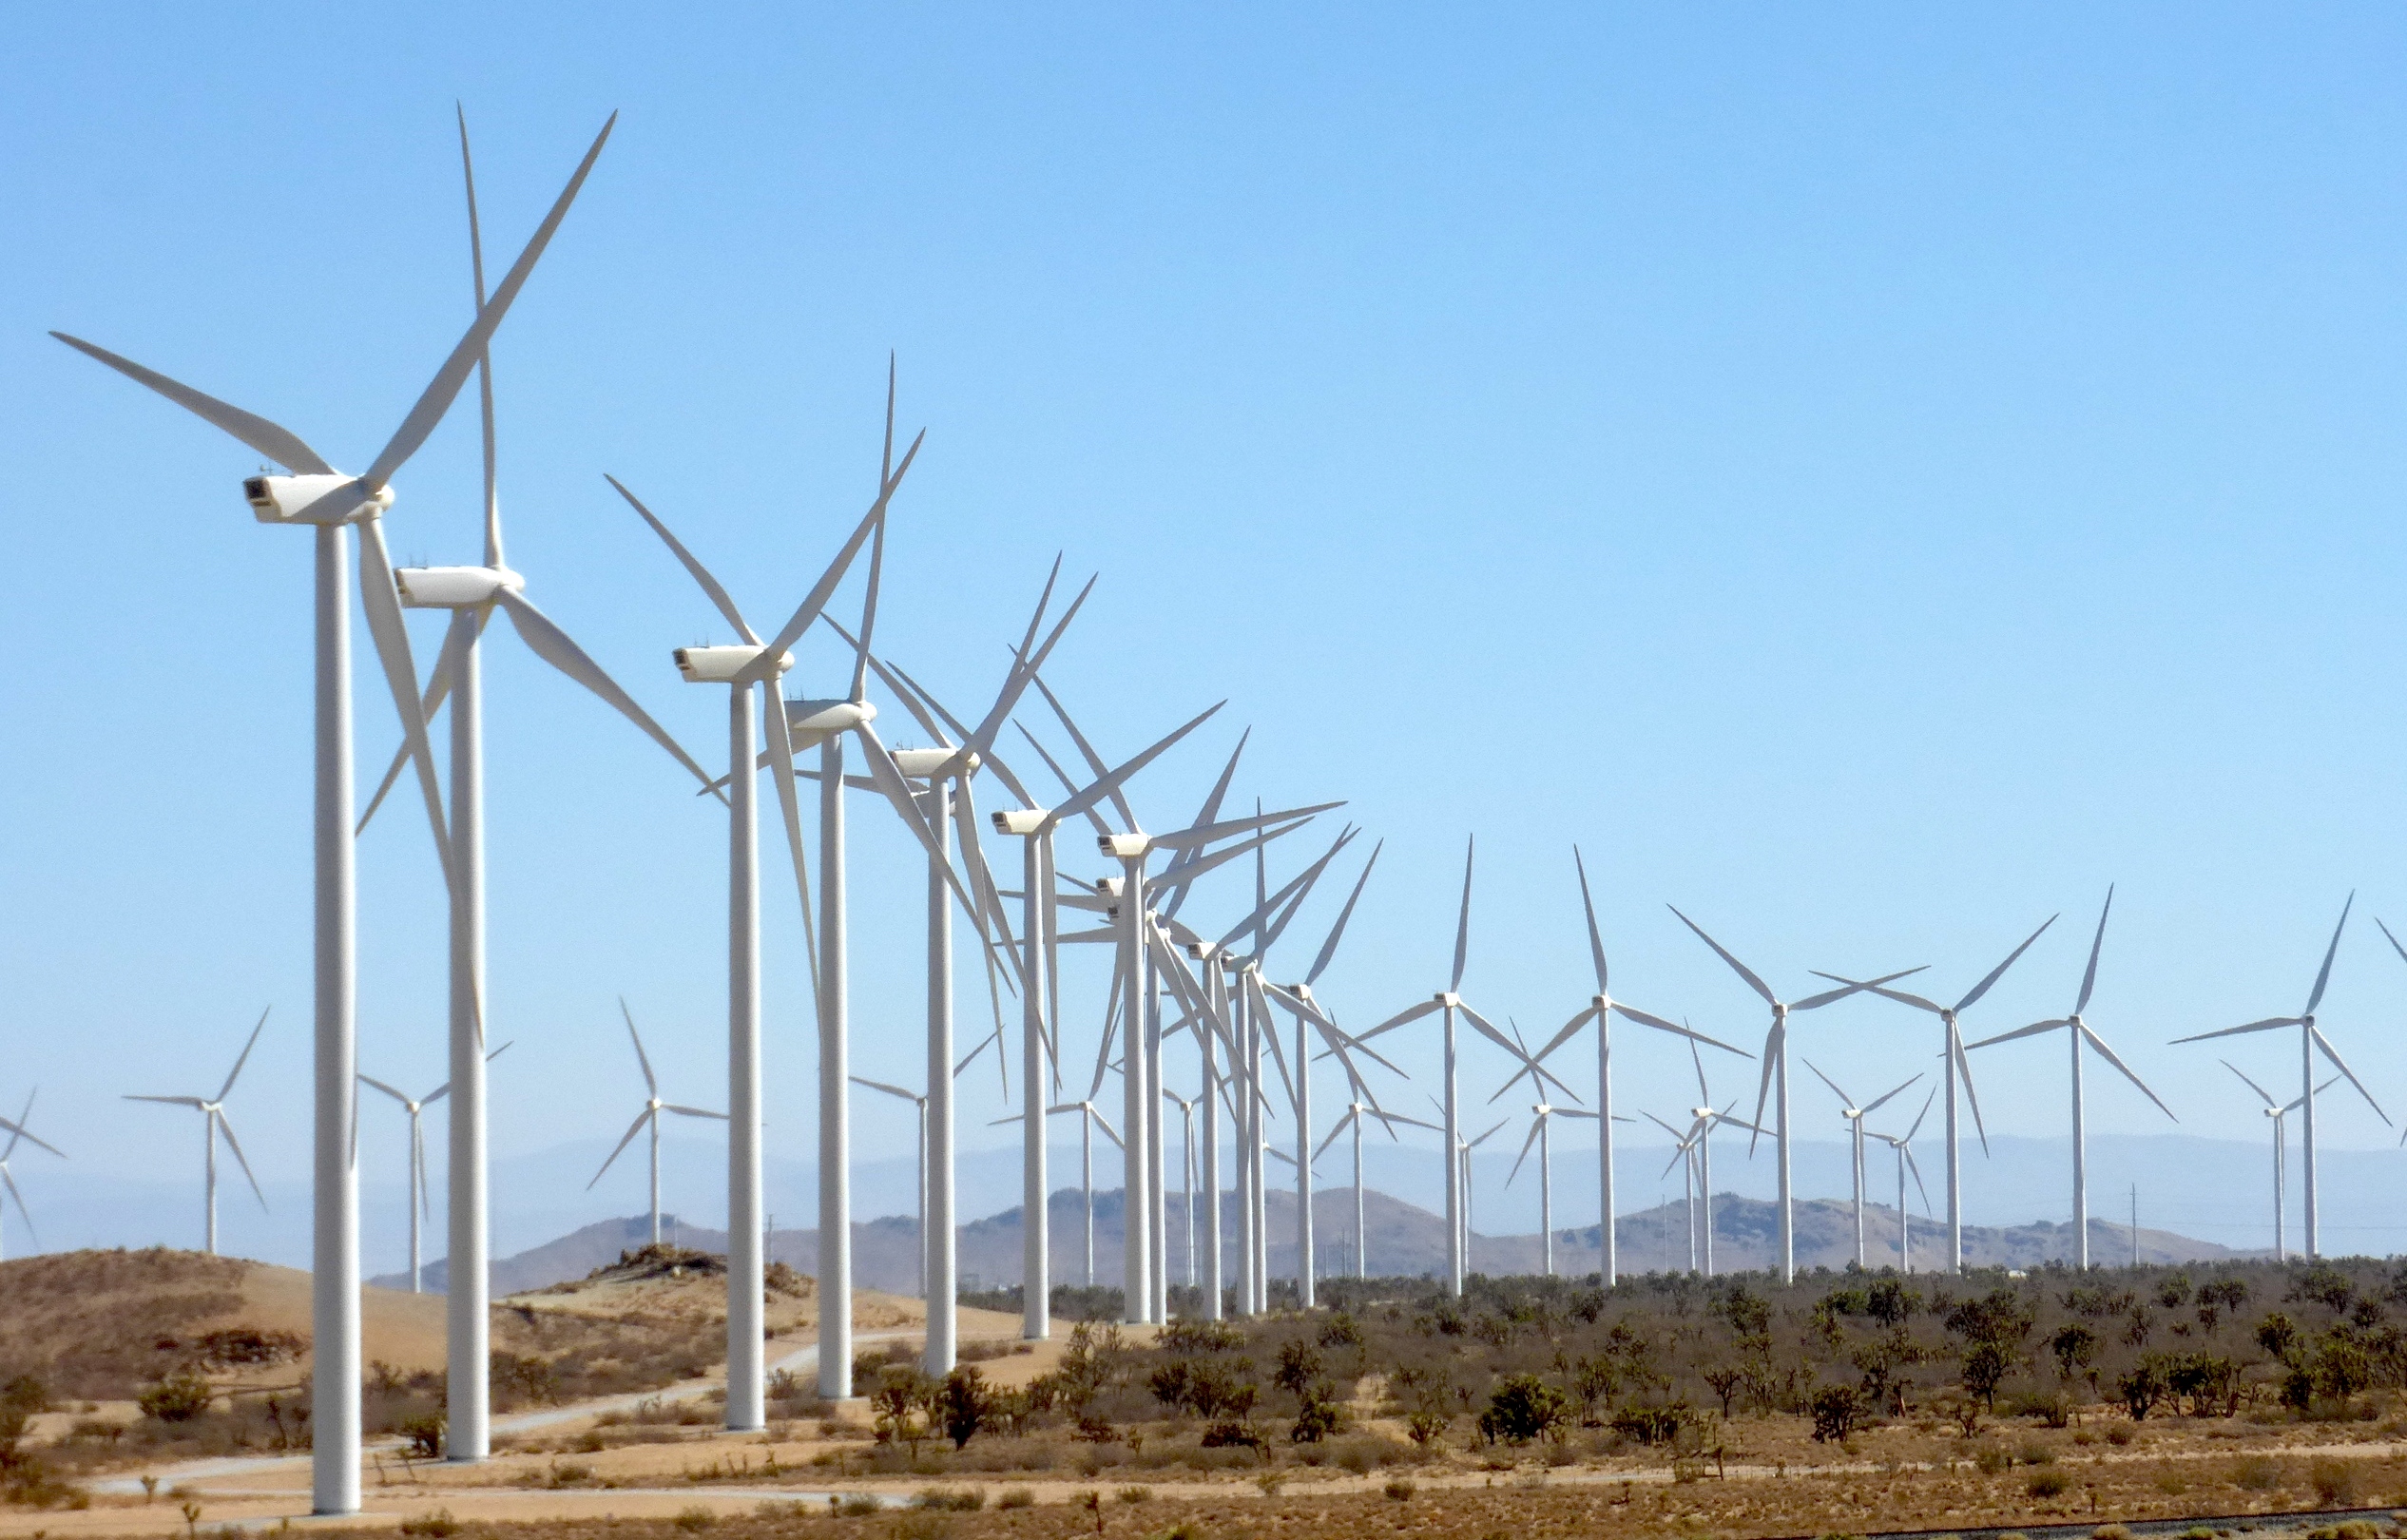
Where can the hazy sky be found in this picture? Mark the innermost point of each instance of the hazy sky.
(1872, 475)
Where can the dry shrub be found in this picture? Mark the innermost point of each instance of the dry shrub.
(2257, 1473)
(1399, 1487)
(2335, 1482)
(1016, 1497)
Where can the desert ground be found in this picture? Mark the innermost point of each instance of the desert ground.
(1103, 1429)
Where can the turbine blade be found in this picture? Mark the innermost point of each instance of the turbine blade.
(1971, 1097)
(1570, 1030)
(1875, 1104)
(2332, 1053)
(1772, 1041)
(1741, 969)
(1462, 925)
(2032, 1030)
(484, 368)
(628, 1138)
(1874, 985)
(1409, 1013)
(1595, 938)
(651, 1082)
(278, 443)
(2109, 1055)
(466, 627)
(692, 563)
(1209, 811)
(692, 1112)
(1024, 668)
(2090, 974)
(382, 601)
(1845, 1100)
(1095, 761)
(1526, 1145)
(23, 1212)
(814, 603)
(553, 645)
(1678, 1029)
(1336, 931)
(1917, 1178)
(2263, 1095)
(225, 1126)
(441, 391)
(910, 1096)
(877, 573)
(779, 733)
(1999, 971)
(1110, 783)
(244, 1058)
(2323, 974)
(371, 1080)
(1187, 838)
(1815, 1002)
(1062, 775)
(2266, 1024)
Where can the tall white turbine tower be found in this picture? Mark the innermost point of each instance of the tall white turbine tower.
(650, 1119)
(18, 1131)
(919, 1167)
(1601, 1008)
(2311, 1041)
(1774, 1077)
(2077, 1032)
(1541, 1134)
(320, 496)
(213, 1122)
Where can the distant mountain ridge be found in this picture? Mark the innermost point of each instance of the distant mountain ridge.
(1404, 1240)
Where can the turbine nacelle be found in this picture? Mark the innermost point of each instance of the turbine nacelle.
(1021, 820)
(1127, 847)
(313, 499)
(933, 764)
(812, 722)
(453, 587)
(719, 665)
(1448, 998)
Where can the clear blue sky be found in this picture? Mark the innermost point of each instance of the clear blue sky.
(1872, 475)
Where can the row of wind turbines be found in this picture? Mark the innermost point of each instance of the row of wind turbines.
(1178, 983)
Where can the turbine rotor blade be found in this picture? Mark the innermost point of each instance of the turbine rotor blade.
(276, 442)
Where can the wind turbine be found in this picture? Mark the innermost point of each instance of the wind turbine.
(2078, 1032)
(320, 496)
(1540, 1135)
(2311, 1039)
(471, 596)
(919, 1100)
(1448, 1001)
(17, 1131)
(2276, 1112)
(1854, 1117)
(1775, 1071)
(1089, 1118)
(1684, 1155)
(1902, 1144)
(1958, 1065)
(650, 1118)
(1186, 1167)
(1601, 1008)
(1353, 1119)
(213, 1122)
(790, 726)
(420, 1202)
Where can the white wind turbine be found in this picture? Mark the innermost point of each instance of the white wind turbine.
(1601, 1008)
(1040, 1007)
(1775, 1078)
(421, 1203)
(650, 1118)
(1541, 1134)
(1854, 1117)
(1089, 1118)
(18, 1131)
(1956, 1067)
(1902, 1146)
(213, 1121)
(1353, 1122)
(2311, 1040)
(2276, 1111)
(1448, 1001)
(471, 596)
(919, 1216)
(2078, 1032)
(1684, 1155)
(320, 496)
(790, 726)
